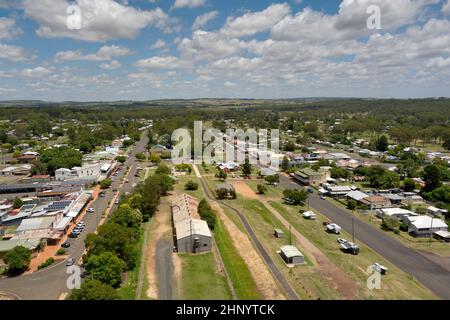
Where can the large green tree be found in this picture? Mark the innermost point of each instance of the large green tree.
(432, 178)
(106, 268)
(18, 260)
(94, 290)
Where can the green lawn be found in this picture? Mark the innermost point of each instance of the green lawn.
(200, 280)
(241, 278)
(395, 285)
(182, 180)
(307, 282)
(272, 191)
(128, 289)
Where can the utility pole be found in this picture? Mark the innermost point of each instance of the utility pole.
(353, 229)
(290, 235)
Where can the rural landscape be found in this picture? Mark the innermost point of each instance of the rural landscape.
(186, 153)
(107, 197)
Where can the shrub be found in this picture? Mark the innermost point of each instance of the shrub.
(47, 263)
(61, 252)
(207, 213)
(191, 186)
(262, 189)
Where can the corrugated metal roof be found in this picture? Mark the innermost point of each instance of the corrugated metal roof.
(36, 223)
(291, 251)
(189, 227)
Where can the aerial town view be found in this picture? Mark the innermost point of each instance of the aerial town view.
(206, 150)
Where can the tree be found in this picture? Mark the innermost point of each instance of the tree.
(121, 159)
(247, 168)
(191, 186)
(106, 268)
(117, 239)
(105, 184)
(262, 189)
(409, 185)
(156, 159)
(391, 223)
(18, 260)
(432, 178)
(63, 157)
(382, 143)
(94, 290)
(273, 179)
(163, 169)
(298, 197)
(351, 205)
(379, 177)
(207, 214)
(151, 193)
(38, 168)
(285, 164)
(128, 217)
(222, 175)
(18, 203)
(140, 156)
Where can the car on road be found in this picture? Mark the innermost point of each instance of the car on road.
(323, 198)
(66, 245)
(70, 262)
(117, 202)
(91, 210)
(310, 190)
(74, 235)
(102, 194)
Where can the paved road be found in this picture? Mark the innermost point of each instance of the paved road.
(431, 274)
(50, 284)
(164, 269)
(292, 295)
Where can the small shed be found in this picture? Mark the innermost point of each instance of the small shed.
(291, 255)
(278, 233)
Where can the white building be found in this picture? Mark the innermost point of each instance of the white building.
(424, 226)
(395, 213)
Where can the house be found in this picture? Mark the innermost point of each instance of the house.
(337, 156)
(412, 198)
(7, 245)
(356, 195)
(310, 177)
(228, 166)
(337, 191)
(395, 213)
(160, 150)
(376, 202)
(90, 172)
(24, 158)
(442, 236)
(267, 172)
(436, 212)
(291, 255)
(193, 236)
(394, 198)
(424, 226)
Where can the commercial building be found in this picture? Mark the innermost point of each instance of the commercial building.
(311, 177)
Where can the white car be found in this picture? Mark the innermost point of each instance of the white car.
(91, 210)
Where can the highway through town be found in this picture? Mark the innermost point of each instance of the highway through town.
(50, 284)
(431, 274)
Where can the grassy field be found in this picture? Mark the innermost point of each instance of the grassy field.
(242, 280)
(128, 289)
(272, 191)
(395, 285)
(428, 245)
(305, 280)
(200, 280)
(182, 180)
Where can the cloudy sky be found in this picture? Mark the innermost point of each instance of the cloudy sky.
(151, 49)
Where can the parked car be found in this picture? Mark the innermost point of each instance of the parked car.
(323, 198)
(309, 215)
(74, 235)
(66, 245)
(333, 228)
(348, 246)
(70, 262)
(102, 194)
(310, 190)
(380, 268)
(91, 210)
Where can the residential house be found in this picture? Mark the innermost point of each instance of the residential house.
(376, 202)
(424, 226)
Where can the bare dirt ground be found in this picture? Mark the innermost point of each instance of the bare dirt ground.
(265, 283)
(161, 227)
(244, 190)
(334, 275)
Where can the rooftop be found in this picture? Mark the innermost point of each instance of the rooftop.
(291, 251)
(189, 227)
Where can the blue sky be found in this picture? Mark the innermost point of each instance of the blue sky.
(152, 49)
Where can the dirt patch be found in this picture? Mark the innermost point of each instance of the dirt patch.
(265, 283)
(337, 278)
(244, 190)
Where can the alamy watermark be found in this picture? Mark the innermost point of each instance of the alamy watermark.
(74, 279)
(374, 20)
(260, 147)
(374, 280)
